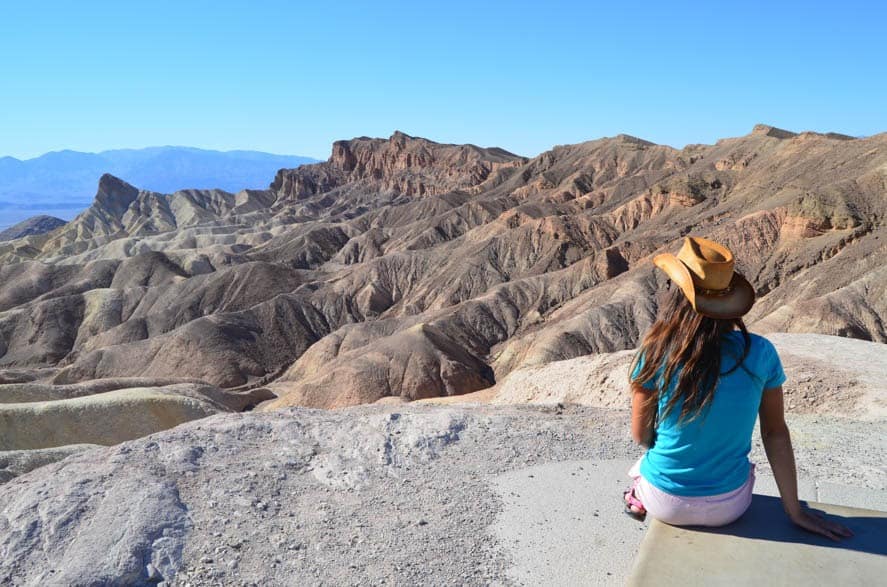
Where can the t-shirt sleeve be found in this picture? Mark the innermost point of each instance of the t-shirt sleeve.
(775, 374)
(651, 385)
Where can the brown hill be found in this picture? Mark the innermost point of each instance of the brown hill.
(404, 267)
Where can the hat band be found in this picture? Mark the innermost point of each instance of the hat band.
(714, 292)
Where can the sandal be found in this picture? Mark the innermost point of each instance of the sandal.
(631, 500)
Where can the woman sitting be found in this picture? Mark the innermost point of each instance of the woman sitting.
(698, 383)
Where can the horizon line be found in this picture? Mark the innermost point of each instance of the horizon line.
(418, 136)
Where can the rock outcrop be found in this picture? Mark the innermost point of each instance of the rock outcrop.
(400, 166)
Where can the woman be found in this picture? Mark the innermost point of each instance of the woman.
(698, 382)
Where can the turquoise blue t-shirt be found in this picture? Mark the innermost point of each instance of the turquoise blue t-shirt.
(709, 455)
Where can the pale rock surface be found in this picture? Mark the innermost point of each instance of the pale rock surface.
(18, 462)
(373, 494)
(104, 418)
(827, 375)
(834, 375)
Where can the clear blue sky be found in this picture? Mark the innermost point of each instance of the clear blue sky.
(291, 77)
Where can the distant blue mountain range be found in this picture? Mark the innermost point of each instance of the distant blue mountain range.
(63, 183)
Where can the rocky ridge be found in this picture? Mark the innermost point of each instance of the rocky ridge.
(403, 267)
(33, 225)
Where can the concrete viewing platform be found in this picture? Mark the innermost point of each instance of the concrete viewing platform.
(563, 524)
(764, 548)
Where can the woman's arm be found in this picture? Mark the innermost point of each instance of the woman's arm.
(778, 446)
(641, 416)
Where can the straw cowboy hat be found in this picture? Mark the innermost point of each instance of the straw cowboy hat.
(703, 269)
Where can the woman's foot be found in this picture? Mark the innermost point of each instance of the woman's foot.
(633, 506)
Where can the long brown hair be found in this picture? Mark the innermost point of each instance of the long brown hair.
(689, 344)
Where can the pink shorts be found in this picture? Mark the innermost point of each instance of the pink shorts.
(709, 510)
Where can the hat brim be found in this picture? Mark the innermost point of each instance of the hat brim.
(734, 304)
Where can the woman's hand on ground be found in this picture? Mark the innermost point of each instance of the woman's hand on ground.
(813, 522)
